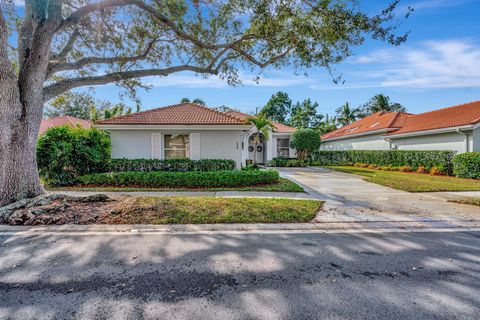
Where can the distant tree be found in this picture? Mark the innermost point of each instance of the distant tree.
(72, 104)
(196, 100)
(327, 125)
(346, 114)
(224, 108)
(262, 126)
(119, 109)
(381, 102)
(304, 115)
(278, 107)
(305, 141)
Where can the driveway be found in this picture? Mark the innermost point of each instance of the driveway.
(349, 198)
(240, 276)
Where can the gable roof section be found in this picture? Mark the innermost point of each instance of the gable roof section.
(279, 128)
(178, 114)
(373, 123)
(61, 121)
(460, 115)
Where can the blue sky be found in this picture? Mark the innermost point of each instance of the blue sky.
(439, 66)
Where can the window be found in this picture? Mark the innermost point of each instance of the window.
(176, 146)
(283, 147)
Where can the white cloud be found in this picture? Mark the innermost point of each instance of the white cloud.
(431, 64)
(434, 4)
(192, 81)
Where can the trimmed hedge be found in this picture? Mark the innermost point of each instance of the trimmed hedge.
(396, 158)
(182, 165)
(286, 162)
(467, 165)
(192, 179)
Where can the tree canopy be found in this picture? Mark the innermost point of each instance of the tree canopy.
(304, 115)
(380, 102)
(346, 114)
(278, 107)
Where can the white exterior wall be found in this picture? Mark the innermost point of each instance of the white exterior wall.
(370, 142)
(453, 141)
(475, 141)
(214, 144)
(291, 152)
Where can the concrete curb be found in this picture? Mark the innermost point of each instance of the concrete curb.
(359, 226)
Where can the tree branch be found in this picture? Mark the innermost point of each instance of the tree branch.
(61, 86)
(67, 48)
(259, 63)
(57, 67)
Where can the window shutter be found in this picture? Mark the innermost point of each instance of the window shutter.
(157, 146)
(195, 146)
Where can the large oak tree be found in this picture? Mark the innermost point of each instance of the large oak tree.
(66, 44)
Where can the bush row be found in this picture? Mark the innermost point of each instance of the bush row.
(64, 153)
(286, 162)
(467, 165)
(192, 179)
(421, 169)
(183, 165)
(395, 158)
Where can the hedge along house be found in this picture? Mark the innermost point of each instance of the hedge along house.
(454, 128)
(189, 130)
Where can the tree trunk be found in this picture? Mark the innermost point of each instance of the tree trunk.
(19, 125)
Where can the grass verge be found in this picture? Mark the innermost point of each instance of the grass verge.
(470, 201)
(283, 185)
(413, 182)
(199, 210)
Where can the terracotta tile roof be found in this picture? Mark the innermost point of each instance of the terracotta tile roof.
(279, 128)
(460, 115)
(178, 114)
(61, 121)
(374, 122)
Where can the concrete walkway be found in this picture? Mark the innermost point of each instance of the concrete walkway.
(226, 194)
(349, 198)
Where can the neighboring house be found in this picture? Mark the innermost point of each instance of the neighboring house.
(189, 130)
(61, 121)
(454, 128)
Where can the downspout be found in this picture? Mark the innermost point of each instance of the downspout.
(466, 139)
(389, 141)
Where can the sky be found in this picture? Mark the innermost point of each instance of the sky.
(439, 66)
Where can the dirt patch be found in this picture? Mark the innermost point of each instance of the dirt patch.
(101, 209)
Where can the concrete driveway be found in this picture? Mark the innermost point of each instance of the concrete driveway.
(349, 198)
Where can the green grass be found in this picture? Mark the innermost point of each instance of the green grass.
(470, 201)
(283, 185)
(413, 182)
(183, 210)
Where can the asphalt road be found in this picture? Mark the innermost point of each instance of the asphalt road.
(241, 276)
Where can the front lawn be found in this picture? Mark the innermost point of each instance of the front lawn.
(183, 210)
(283, 185)
(470, 201)
(101, 209)
(413, 182)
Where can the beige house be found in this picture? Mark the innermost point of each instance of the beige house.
(193, 131)
(454, 128)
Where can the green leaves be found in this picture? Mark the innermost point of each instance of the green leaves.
(467, 165)
(193, 179)
(305, 141)
(64, 153)
(181, 165)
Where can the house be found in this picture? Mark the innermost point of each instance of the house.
(454, 128)
(62, 121)
(189, 130)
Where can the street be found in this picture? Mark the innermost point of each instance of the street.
(279, 275)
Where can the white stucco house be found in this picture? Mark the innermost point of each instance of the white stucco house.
(189, 130)
(454, 128)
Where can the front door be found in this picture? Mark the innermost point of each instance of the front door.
(258, 149)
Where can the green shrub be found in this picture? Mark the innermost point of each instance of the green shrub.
(305, 141)
(467, 165)
(147, 165)
(192, 179)
(394, 158)
(64, 153)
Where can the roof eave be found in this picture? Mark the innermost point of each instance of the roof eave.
(367, 133)
(431, 131)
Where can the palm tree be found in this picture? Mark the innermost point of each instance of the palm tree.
(346, 114)
(196, 100)
(262, 126)
(381, 102)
